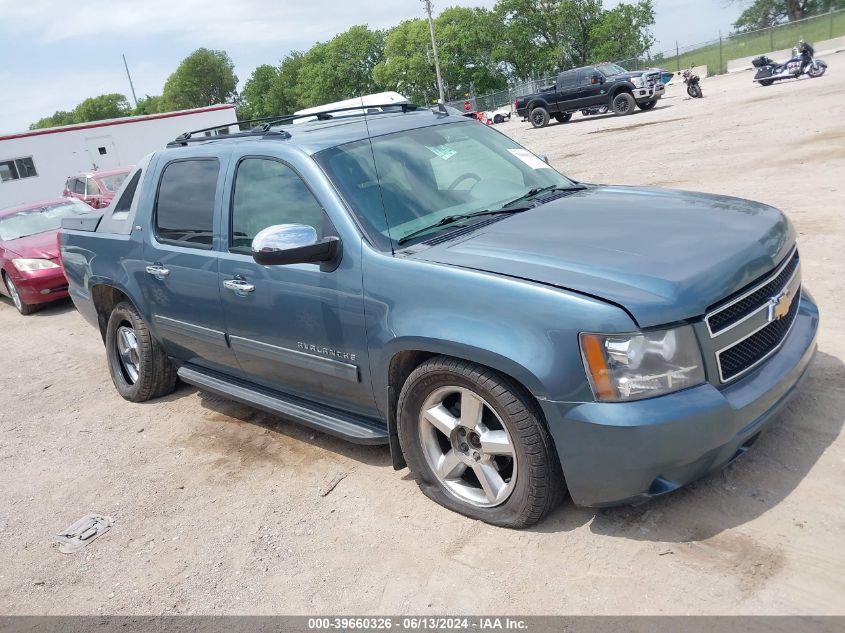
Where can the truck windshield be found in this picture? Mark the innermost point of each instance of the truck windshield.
(608, 70)
(44, 218)
(409, 180)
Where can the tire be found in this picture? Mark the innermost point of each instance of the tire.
(563, 117)
(539, 117)
(816, 73)
(498, 119)
(521, 463)
(142, 370)
(648, 105)
(623, 103)
(694, 91)
(22, 306)
(767, 82)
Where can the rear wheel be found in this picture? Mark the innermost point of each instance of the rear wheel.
(648, 105)
(138, 365)
(498, 119)
(623, 103)
(22, 306)
(694, 91)
(539, 117)
(563, 117)
(477, 444)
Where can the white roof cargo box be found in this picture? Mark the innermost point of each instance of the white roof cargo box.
(366, 102)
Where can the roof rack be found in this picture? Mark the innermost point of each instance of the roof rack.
(264, 130)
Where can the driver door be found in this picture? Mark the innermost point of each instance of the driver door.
(297, 328)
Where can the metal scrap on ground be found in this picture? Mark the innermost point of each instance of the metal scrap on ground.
(83, 532)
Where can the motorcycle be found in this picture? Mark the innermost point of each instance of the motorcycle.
(802, 62)
(693, 87)
(599, 109)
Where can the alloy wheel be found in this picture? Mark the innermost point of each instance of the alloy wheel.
(467, 446)
(13, 291)
(128, 353)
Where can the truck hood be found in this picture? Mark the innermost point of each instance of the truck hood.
(664, 256)
(38, 246)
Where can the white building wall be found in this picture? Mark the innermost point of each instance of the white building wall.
(62, 152)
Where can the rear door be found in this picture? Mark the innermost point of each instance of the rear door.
(181, 262)
(298, 328)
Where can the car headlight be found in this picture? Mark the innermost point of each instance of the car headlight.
(635, 366)
(26, 265)
(638, 82)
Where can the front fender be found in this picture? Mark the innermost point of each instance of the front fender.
(525, 330)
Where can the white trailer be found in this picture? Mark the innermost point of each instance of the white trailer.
(34, 165)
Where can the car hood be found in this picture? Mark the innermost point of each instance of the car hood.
(664, 256)
(40, 246)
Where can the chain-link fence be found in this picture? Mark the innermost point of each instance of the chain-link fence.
(714, 54)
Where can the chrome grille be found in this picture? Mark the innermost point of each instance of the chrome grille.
(749, 352)
(765, 332)
(749, 302)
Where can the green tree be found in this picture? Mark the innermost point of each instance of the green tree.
(624, 32)
(109, 106)
(407, 65)
(204, 78)
(256, 96)
(467, 41)
(150, 105)
(60, 117)
(762, 14)
(341, 68)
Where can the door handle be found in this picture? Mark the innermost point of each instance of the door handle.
(239, 286)
(158, 271)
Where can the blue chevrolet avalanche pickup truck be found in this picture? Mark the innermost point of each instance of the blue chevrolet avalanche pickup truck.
(416, 279)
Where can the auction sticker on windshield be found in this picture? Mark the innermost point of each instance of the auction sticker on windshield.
(529, 159)
(443, 151)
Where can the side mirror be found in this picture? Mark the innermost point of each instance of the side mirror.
(293, 244)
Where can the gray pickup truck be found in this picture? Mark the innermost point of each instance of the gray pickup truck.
(416, 279)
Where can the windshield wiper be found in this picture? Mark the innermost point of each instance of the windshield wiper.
(538, 190)
(451, 219)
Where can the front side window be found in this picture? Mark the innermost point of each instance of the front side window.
(408, 180)
(268, 192)
(44, 218)
(185, 202)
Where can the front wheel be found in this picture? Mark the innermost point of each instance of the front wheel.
(22, 306)
(477, 444)
(623, 103)
(140, 370)
(817, 70)
(539, 117)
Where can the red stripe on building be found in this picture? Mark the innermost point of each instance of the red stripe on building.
(137, 119)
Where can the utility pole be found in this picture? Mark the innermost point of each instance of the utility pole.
(132, 87)
(427, 4)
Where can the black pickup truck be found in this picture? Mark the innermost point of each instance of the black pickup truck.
(593, 90)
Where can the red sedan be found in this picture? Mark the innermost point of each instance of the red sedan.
(29, 254)
(96, 188)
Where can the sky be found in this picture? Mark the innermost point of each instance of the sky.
(58, 53)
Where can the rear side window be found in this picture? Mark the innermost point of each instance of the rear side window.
(185, 202)
(568, 79)
(125, 201)
(268, 192)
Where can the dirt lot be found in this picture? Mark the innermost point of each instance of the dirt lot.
(218, 508)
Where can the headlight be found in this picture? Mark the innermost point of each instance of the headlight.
(638, 82)
(636, 366)
(26, 265)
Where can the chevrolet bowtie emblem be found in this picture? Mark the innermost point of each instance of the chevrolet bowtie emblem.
(779, 306)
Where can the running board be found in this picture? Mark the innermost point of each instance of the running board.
(321, 418)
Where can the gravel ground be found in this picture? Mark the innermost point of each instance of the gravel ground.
(220, 509)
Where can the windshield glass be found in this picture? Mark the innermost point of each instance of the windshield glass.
(608, 70)
(38, 220)
(112, 183)
(411, 179)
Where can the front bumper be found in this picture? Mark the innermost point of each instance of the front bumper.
(41, 286)
(649, 94)
(620, 453)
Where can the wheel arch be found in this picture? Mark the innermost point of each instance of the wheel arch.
(406, 359)
(105, 297)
